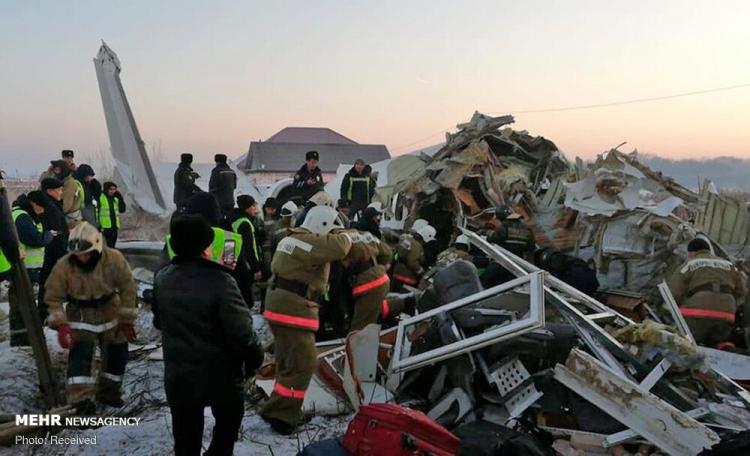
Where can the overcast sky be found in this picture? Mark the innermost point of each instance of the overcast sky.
(209, 77)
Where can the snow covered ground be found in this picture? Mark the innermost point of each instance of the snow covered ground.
(143, 391)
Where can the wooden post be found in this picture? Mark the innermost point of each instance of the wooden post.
(31, 321)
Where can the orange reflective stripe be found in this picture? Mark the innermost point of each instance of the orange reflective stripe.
(703, 313)
(405, 279)
(386, 308)
(282, 390)
(365, 287)
(308, 323)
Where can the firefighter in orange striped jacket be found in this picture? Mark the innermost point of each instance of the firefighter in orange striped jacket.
(300, 268)
(370, 279)
(410, 256)
(707, 289)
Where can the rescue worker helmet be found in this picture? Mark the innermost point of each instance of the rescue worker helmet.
(321, 220)
(419, 223)
(85, 238)
(288, 209)
(427, 232)
(322, 199)
(462, 239)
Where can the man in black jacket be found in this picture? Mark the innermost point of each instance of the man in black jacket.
(53, 220)
(208, 339)
(91, 191)
(358, 187)
(309, 179)
(222, 184)
(184, 182)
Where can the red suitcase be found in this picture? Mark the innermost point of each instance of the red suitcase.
(390, 429)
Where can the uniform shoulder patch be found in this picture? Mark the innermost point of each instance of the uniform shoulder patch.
(289, 243)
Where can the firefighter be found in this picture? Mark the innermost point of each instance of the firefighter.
(309, 179)
(512, 234)
(370, 282)
(300, 269)
(111, 205)
(707, 289)
(282, 229)
(458, 251)
(409, 265)
(358, 186)
(91, 299)
(27, 213)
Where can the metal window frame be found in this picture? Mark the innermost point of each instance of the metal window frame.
(532, 320)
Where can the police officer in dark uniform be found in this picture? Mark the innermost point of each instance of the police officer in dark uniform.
(309, 179)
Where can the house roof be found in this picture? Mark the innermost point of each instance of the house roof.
(289, 157)
(309, 135)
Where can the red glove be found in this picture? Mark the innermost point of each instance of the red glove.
(127, 330)
(65, 336)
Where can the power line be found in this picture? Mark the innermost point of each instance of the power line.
(626, 102)
(593, 106)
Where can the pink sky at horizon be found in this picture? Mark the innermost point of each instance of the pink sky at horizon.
(211, 78)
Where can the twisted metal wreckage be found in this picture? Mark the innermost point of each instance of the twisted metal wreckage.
(533, 350)
(536, 350)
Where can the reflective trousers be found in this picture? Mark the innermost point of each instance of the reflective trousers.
(296, 362)
(114, 356)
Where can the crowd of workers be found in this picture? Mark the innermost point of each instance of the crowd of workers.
(319, 269)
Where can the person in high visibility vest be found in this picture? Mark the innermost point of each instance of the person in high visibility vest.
(300, 269)
(89, 189)
(358, 187)
(244, 224)
(111, 205)
(26, 214)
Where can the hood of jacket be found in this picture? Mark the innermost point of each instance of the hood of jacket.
(83, 171)
(22, 202)
(365, 172)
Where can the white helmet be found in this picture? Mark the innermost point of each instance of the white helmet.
(321, 220)
(426, 231)
(462, 239)
(288, 209)
(418, 223)
(84, 238)
(377, 205)
(322, 199)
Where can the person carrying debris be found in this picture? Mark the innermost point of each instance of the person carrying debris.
(91, 298)
(409, 266)
(512, 234)
(53, 220)
(111, 205)
(222, 184)
(208, 350)
(184, 182)
(309, 179)
(358, 186)
(300, 269)
(707, 289)
(27, 213)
